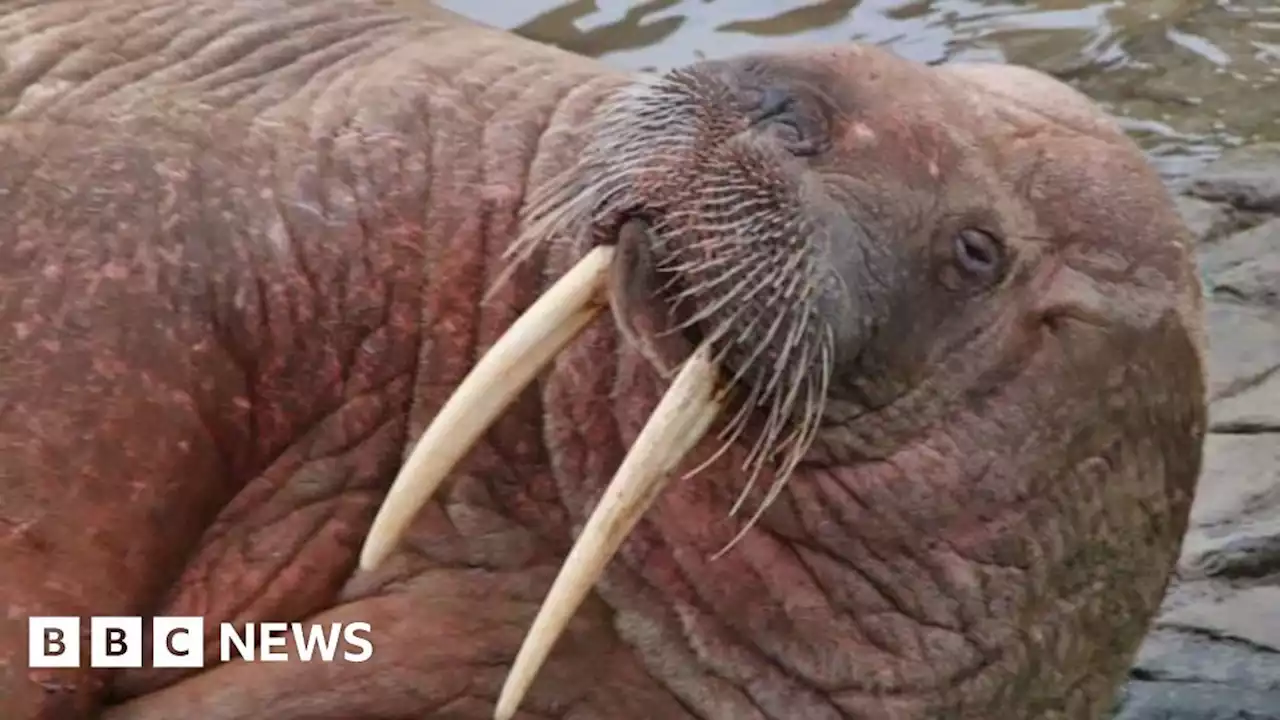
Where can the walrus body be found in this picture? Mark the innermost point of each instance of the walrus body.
(244, 263)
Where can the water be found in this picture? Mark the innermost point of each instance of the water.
(1186, 77)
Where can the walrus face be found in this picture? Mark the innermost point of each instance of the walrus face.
(845, 254)
(826, 267)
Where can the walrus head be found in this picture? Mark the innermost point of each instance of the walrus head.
(967, 275)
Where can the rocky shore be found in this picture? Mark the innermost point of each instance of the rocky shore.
(1214, 653)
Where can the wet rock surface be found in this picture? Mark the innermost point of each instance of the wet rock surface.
(1244, 177)
(1214, 652)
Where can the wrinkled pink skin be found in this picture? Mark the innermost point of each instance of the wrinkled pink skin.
(242, 261)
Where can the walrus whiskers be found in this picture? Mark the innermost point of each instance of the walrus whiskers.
(784, 275)
(593, 186)
(553, 214)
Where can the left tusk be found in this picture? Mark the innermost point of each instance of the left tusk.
(677, 424)
(527, 347)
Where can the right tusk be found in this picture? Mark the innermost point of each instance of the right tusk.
(527, 347)
(675, 427)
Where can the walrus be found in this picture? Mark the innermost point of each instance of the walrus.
(808, 383)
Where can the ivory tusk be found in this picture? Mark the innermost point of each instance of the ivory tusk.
(677, 424)
(528, 346)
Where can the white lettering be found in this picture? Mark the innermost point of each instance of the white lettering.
(115, 642)
(272, 634)
(177, 642)
(314, 636)
(228, 636)
(54, 642)
(351, 634)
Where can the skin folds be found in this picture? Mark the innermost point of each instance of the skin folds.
(253, 248)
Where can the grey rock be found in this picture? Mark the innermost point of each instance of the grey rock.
(1236, 516)
(1143, 700)
(1241, 276)
(1206, 220)
(1244, 347)
(1176, 656)
(1187, 676)
(1246, 177)
(1249, 615)
(1253, 408)
(1246, 556)
(1245, 266)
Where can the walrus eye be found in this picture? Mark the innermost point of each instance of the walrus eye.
(978, 254)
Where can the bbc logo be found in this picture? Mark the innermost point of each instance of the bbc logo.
(115, 642)
(179, 642)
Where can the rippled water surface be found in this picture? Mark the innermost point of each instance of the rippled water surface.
(1187, 77)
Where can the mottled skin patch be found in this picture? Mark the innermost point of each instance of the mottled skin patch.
(242, 263)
